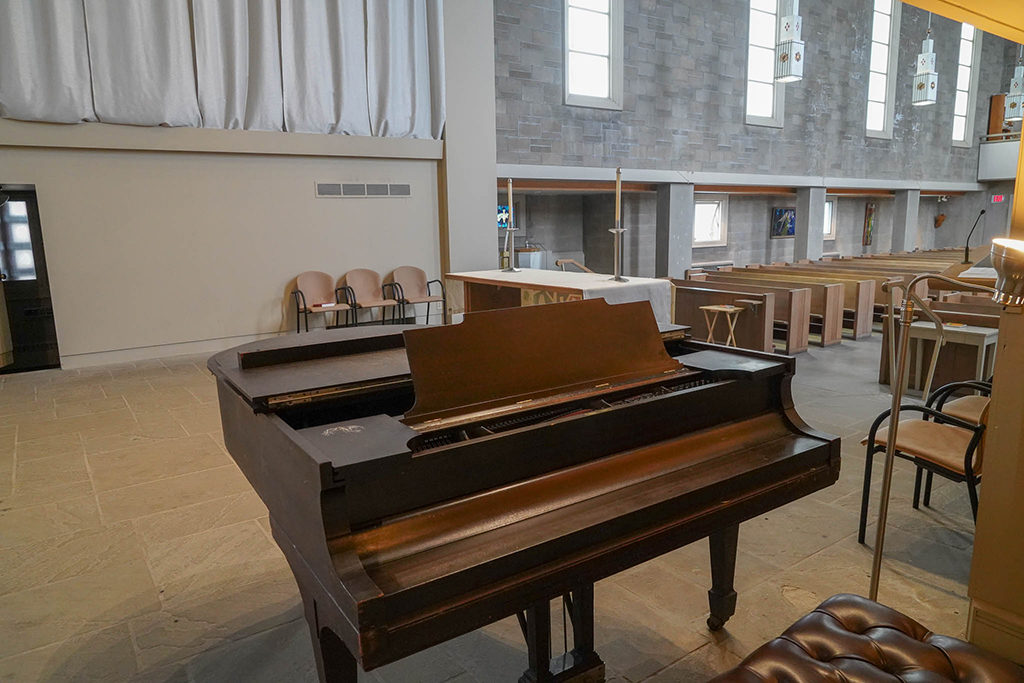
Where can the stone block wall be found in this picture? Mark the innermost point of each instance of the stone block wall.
(684, 76)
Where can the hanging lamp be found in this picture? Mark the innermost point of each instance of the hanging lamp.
(789, 49)
(926, 81)
(1013, 108)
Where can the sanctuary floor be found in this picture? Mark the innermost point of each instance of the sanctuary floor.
(132, 548)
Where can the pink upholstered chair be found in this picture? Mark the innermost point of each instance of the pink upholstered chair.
(412, 287)
(315, 293)
(366, 291)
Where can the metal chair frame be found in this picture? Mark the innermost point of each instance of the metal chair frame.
(403, 302)
(302, 309)
(350, 297)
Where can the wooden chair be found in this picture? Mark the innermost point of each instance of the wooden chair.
(366, 291)
(938, 443)
(411, 287)
(315, 293)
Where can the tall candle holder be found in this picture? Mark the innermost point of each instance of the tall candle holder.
(510, 240)
(618, 229)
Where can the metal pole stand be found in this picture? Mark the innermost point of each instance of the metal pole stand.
(617, 231)
(510, 248)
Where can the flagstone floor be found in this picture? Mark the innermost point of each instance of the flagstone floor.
(132, 548)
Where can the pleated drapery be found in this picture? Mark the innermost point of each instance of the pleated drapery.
(353, 67)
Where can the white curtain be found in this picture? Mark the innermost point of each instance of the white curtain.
(354, 67)
(404, 46)
(44, 79)
(140, 54)
(238, 64)
(323, 66)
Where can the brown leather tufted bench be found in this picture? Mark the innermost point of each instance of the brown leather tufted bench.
(851, 639)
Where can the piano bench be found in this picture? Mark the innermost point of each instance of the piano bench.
(850, 638)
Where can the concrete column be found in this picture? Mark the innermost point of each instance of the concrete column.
(904, 220)
(466, 175)
(674, 230)
(810, 223)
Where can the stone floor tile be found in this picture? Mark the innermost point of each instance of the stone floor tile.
(49, 446)
(208, 610)
(209, 550)
(104, 655)
(171, 493)
(47, 480)
(82, 604)
(43, 522)
(211, 514)
(95, 424)
(428, 666)
(151, 462)
(88, 406)
(164, 397)
(279, 654)
(698, 666)
(63, 557)
(203, 418)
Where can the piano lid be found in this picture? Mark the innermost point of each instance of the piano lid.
(495, 359)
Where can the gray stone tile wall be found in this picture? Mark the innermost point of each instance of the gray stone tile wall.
(684, 76)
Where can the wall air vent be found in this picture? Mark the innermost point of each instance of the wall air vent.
(328, 189)
(342, 190)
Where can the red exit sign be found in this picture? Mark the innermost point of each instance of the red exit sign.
(998, 198)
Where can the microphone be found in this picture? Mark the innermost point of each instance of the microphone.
(967, 244)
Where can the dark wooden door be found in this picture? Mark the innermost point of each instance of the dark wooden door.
(26, 289)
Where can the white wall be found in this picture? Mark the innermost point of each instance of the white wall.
(147, 249)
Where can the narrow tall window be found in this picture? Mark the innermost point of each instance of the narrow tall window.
(885, 41)
(764, 95)
(710, 220)
(593, 53)
(829, 229)
(966, 98)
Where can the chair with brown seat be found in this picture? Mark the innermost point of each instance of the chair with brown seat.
(367, 292)
(970, 408)
(412, 287)
(315, 293)
(937, 443)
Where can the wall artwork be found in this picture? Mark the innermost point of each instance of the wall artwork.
(869, 223)
(783, 223)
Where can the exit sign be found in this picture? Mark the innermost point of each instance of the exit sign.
(998, 198)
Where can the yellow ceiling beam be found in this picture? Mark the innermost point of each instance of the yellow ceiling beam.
(1000, 17)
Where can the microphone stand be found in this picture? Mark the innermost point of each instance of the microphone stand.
(967, 244)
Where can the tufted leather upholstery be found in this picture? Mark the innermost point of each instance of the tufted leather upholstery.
(850, 639)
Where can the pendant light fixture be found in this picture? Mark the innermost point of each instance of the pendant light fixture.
(926, 82)
(1013, 109)
(789, 49)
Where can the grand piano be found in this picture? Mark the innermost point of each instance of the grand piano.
(424, 482)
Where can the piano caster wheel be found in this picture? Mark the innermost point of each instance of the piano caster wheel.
(715, 623)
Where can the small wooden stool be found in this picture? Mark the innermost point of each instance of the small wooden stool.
(731, 314)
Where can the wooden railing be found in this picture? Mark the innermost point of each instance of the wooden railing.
(563, 262)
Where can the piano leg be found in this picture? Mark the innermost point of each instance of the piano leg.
(722, 596)
(334, 662)
(579, 665)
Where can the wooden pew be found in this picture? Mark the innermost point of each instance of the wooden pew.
(878, 275)
(792, 308)
(858, 296)
(753, 326)
(826, 299)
